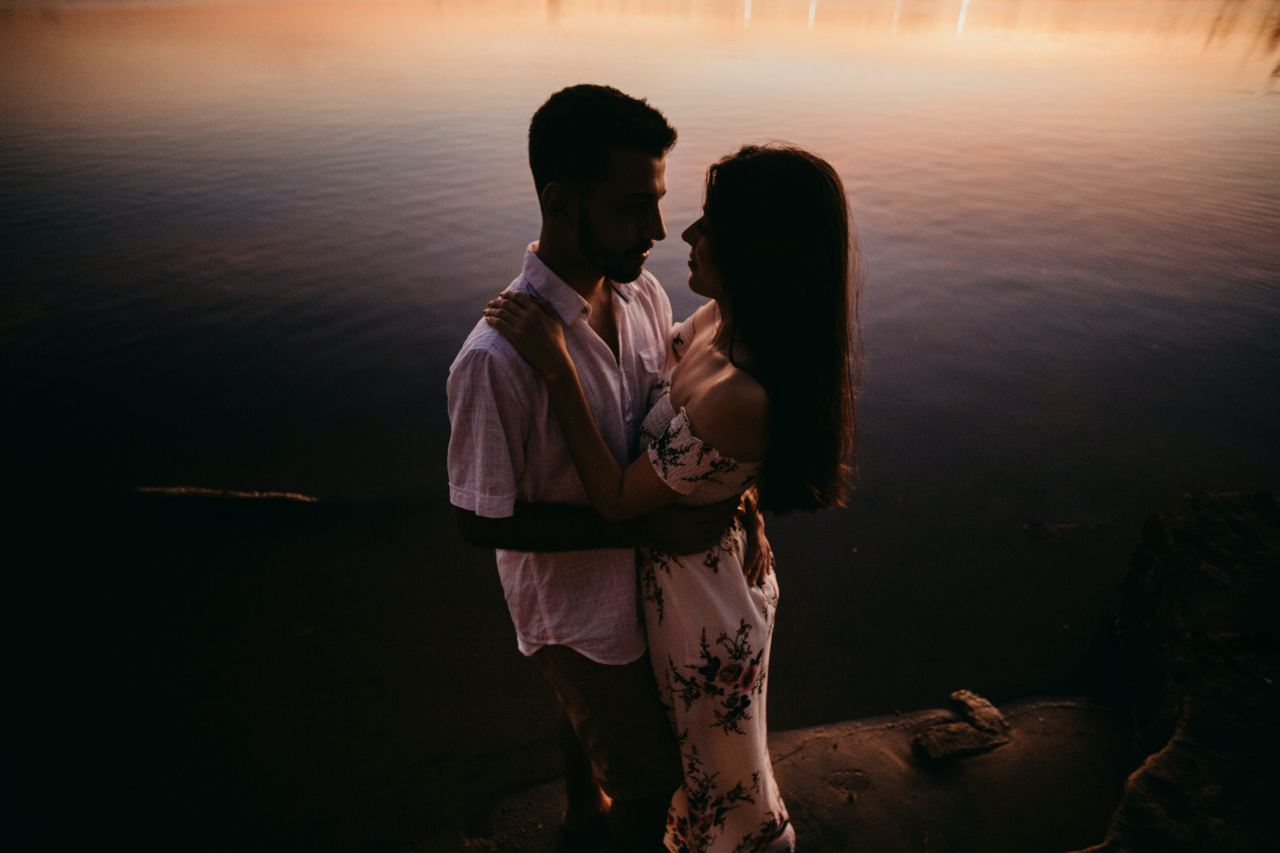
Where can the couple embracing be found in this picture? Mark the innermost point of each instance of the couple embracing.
(619, 461)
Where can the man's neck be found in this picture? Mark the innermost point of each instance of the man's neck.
(572, 269)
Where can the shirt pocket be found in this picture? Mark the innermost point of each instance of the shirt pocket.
(654, 358)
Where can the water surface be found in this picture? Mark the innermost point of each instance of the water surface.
(242, 242)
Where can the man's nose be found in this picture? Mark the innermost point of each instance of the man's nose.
(657, 228)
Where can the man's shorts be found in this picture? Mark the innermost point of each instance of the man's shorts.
(619, 720)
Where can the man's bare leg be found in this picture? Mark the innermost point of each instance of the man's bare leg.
(586, 805)
(619, 721)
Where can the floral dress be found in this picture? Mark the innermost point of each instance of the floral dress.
(709, 636)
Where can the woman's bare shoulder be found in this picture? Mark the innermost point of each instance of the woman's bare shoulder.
(705, 316)
(732, 415)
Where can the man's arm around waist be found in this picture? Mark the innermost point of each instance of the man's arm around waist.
(562, 527)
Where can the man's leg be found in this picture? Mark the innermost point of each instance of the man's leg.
(624, 730)
(586, 806)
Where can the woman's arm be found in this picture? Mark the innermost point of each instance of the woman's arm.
(618, 493)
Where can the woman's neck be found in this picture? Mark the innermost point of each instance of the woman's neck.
(728, 339)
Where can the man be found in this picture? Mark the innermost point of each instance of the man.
(569, 577)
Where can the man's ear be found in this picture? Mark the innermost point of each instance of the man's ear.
(558, 202)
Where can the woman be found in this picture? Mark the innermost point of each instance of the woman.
(758, 400)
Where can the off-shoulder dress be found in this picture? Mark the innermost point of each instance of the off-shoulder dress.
(709, 637)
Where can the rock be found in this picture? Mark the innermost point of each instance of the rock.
(981, 713)
(1049, 789)
(983, 729)
(943, 741)
(1043, 530)
(1197, 633)
(223, 494)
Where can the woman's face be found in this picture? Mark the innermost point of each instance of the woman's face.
(704, 275)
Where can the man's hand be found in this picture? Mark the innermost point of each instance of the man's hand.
(685, 530)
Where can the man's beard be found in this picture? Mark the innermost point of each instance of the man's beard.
(617, 266)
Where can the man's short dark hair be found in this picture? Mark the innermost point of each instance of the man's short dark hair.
(571, 135)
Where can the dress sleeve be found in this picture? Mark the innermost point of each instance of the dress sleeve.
(487, 437)
(682, 460)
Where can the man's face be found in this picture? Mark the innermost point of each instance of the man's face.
(619, 221)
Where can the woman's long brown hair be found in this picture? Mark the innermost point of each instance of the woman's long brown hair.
(780, 232)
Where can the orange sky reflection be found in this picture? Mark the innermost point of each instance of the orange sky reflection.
(212, 52)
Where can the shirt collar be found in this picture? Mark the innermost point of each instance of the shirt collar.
(566, 301)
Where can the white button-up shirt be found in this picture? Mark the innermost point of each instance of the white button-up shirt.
(505, 445)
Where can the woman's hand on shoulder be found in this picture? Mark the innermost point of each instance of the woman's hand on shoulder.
(533, 328)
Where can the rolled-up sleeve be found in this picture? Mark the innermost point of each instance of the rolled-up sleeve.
(488, 435)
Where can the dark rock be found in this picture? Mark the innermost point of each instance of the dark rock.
(1197, 633)
(944, 741)
(983, 729)
(1043, 530)
(981, 713)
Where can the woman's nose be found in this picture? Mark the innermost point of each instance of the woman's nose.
(689, 235)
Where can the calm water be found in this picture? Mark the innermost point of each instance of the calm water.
(241, 243)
